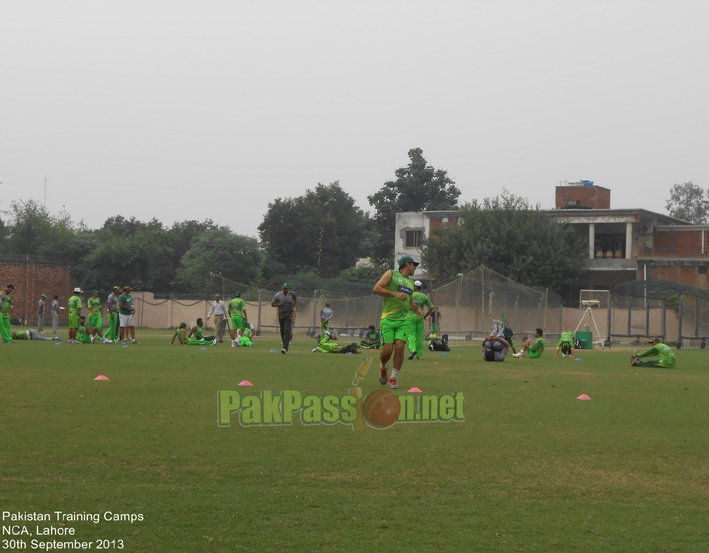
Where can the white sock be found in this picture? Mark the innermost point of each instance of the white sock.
(394, 374)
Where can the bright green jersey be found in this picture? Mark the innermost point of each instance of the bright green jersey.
(421, 300)
(237, 306)
(94, 305)
(82, 335)
(395, 309)
(567, 337)
(538, 346)
(663, 351)
(74, 304)
(21, 335)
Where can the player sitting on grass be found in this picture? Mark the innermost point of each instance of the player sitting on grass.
(181, 335)
(565, 344)
(244, 340)
(665, 360)
(83, 333)
(372, 339)
(534, 349)
(436, 342)
(30, 334)
(198, 332)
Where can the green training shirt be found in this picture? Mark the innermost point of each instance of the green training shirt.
(395, 309)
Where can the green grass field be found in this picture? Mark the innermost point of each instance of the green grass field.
(530, 469)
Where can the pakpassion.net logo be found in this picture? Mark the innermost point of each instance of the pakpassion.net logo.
(380, 409)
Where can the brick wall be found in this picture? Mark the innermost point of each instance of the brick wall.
(31, 279)
(583, 197)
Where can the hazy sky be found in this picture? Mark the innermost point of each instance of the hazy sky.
(202, 109)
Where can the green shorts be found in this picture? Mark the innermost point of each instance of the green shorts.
(238, 322)
(392, 330)
(534, 354)
(74, 320)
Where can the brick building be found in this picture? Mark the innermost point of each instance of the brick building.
(623, 244)
(32, 276)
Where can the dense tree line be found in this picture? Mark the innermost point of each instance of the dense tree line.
(321, 233)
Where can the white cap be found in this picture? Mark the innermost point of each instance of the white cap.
(79, 290)
(418, 283)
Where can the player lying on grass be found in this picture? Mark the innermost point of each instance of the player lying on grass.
(565, 344)
(327, 344)
(665, 360)
(30, 334)
(181, 335)
(495, 348)
(533, 349)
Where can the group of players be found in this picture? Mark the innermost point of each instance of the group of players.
(240, 330)
(499, 342)
(119, 309)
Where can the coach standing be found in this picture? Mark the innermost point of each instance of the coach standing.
(220, 311)
(285, 302)
(125, 315)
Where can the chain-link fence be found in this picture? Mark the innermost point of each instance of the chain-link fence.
(659, 308)
(469, 304)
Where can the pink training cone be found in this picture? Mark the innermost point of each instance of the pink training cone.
(245, 383)
(584, 397)
(101, 377)
(415, 390)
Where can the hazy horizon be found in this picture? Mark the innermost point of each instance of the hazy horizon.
(188, 110)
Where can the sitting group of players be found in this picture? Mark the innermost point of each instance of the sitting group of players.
(499, 342)
(195, 337)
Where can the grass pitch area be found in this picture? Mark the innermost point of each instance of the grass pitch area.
(531, 468)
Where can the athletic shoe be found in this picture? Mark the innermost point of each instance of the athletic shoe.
(314, 350)
(412, 355)
(393, 385)
(283, 351)
(136, 342)
(517, 355)
(92, 339)
(418, 357)
(107, 341)
(383, 378)
(233, 343)
(214, 342)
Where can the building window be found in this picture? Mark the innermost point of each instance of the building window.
(414, 238)
(702, 269)
(444, 220)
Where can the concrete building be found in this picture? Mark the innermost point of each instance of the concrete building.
(623, 244)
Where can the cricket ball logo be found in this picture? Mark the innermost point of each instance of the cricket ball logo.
(380, 409)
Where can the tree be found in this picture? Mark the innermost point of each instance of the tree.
(218, 250)
(35, 231)
(509, 236)
(418, 187)
(687, 202)
(320, 232)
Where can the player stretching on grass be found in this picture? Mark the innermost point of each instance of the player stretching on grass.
(396, 288)
(665, 360)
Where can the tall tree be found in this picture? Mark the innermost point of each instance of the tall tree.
(218, 250)
(320, 232)
(688, 202)
(417, 187)
(509, 236)
(33, 230)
